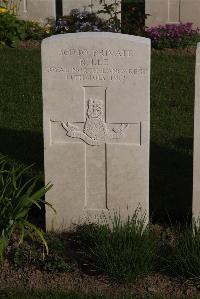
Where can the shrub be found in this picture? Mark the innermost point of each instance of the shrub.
(10, 5)
(56, 263)
(173, 35)
(184, 260)
(112, 11)
(133, 17)
(57, 260)
(11, 29)
(3, 10)
(17, 197)
(25, 254)
(124, 251)
(29, 253)
(34, 31)
(81, 22)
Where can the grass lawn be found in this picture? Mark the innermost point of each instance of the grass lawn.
(172, 109)
(21, 107)
(172, 100)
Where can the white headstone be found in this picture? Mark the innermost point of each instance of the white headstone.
(96, 95)
(190, 12)
(162, 12)
(36, 10)
(82, 5)
(196, 162)
(172, 12)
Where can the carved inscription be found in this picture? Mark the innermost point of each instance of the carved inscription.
(97, 52)
(96, 65)
(95, 131)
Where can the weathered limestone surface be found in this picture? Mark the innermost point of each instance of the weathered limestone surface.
(196, 162)
(172, 11)
(162, 12)
(190, 11)
(82, 5)
(96, 96)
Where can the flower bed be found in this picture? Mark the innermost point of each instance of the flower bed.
(173, 35)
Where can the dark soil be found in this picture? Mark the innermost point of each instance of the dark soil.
(152, 285)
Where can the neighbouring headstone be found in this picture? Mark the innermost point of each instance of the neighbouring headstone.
(82, 5)
(161, 12)
(190, 12)
(96, 99)
(196, 162)
(35, 10)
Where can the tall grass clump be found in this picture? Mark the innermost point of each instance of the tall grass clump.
(17, 196)
(185, 258)
(122, 250)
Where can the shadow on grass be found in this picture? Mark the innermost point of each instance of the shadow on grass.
(26, 147)
(171, 183)
(23, 146)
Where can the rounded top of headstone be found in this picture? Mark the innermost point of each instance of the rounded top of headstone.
(93, 35)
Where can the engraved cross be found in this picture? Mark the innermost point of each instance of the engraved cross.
(97, 134)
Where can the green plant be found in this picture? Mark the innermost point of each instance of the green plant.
(26, 254)
(133, 17)
(57, 260)
(11, 29)
(184, 260)
(83, 21)
(55, 263)
(173, 35)
(80, 21)
(57, 244)
(10, 5)
(112, 10)
(35, 31)
(30, 253)
(17, 197)
(124, 251)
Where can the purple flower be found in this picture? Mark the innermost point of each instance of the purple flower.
(173, 35)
